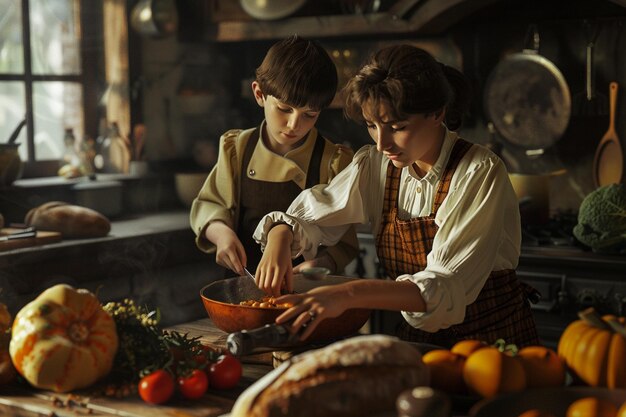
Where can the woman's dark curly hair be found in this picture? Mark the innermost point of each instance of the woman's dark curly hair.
(411, 81)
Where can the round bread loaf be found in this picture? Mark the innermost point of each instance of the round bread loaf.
(70, 220)
(359, 376)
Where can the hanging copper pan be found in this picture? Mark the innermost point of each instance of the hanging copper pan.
(221, 300)
(528, 99)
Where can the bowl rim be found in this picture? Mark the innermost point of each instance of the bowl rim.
(237, 305)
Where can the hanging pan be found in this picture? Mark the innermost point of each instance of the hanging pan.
(528, 100)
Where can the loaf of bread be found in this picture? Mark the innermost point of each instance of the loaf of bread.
(70, 220)
(359, 376)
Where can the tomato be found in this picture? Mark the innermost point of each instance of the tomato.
(195, 385)
(203, 356)
(225, 373)
(157, 387)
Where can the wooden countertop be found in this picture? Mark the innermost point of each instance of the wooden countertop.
(21, 401)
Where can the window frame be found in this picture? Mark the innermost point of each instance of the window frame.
(91, 78)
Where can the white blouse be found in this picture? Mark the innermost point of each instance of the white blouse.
(479, 223)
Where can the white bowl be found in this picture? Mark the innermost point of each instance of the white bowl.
(188, 185)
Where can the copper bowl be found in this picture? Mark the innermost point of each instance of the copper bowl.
(221, 301)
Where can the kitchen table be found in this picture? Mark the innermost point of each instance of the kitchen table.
(22, 401)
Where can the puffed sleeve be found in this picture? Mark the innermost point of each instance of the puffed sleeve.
(321, 215)
(217, 197)
(477, 233)
(348, 246)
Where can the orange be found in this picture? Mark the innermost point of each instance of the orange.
(536, 413)
(543, 367)
(446, 370)
(467, 347)
(489, 372)
(591, 407)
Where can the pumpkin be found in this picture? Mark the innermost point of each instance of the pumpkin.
(594, 348)
(63, 340)
(542, 366)
(7, 370)
(489, 372)
(591, 407)
(446, 370)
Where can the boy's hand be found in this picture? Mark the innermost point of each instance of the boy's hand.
(230, 252)
(275, 265)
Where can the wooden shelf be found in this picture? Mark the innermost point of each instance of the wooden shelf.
(405, 16)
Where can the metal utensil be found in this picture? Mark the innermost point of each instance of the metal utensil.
(249, 274)
(16, 132)
(22, 234)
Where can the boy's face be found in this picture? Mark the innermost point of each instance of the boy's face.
(285, 125)
(404, 142)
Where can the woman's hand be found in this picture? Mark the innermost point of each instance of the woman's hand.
(274, 271)
(312, 307)
(230, 252)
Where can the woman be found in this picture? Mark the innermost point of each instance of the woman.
(444, 213)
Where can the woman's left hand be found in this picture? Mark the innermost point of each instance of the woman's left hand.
(312, 307)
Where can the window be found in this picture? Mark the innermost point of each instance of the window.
(51, 58)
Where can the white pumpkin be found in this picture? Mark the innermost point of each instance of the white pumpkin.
(63, 340)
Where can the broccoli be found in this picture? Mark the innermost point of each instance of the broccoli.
(602, 219)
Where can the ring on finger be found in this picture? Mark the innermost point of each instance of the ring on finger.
(312, 314)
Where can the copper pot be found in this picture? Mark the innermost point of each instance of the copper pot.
(533, 194)
(221, 301)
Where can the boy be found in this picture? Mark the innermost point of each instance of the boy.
(263, 169)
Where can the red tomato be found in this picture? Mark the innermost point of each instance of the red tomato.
(195, 385)
(225, 373)
(157, 387)
(202, 356)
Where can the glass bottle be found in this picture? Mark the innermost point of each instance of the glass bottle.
(70, 155)
(103, 143)
(119, 152)
(70, 163)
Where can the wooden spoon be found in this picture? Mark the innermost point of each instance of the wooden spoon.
(608, 163)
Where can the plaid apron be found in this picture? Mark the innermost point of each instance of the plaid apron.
(501, 310)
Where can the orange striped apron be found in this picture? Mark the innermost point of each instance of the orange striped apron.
(501, 311)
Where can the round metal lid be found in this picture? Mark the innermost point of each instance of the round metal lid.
(528, 100)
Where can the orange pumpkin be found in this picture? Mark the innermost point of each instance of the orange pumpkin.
(446, 370)
(542, 366)
(594, 348)
(63, 340)
(489, 372)
(591, 407)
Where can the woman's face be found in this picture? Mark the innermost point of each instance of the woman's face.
(285, 125)
(418, 138)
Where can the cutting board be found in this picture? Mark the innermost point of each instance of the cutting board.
(42, 238)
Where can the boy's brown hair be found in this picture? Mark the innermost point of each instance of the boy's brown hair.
(298, 72)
